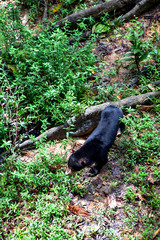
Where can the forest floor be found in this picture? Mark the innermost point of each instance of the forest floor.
(102, 212)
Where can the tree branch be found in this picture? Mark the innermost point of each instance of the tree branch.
(140, 7)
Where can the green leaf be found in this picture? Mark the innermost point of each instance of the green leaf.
(127, 59)
(99, 28)
(12, 67)
(144, 56)
(132, 65)
(129, 54)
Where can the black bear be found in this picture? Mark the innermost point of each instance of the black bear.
(94, 151)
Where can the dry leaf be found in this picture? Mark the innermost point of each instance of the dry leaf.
(156, 233)
(119, 97)
(136, 168)
(139, 151)
(146, 108)
(111, 201)
(140, 197)
(151, 214)
(151, 179)
(54, 167)
(150, 86)
(137, 115)
(119, 204)
(78, 210)
(25, 19)
(134, 189)
(103, 35)
(50, 184)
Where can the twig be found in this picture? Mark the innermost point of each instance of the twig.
(45, 13)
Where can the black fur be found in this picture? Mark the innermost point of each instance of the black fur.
(95, 149)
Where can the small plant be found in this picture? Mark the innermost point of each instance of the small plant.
(9, 121)
(139, 49)
(130, 195)
(105, 25)
(114, 184)
(78, 186)
(107, 93)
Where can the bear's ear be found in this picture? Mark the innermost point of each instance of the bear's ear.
(82, 162)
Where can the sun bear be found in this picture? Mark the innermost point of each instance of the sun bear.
(94, 151)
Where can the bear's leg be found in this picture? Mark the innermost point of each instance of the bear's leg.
(122, 127)
(98, 166)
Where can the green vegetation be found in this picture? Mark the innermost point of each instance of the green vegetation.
(139, 50)
(43, 77)
(40, 193)
(142, 154)
(44, 80)
(143, 142)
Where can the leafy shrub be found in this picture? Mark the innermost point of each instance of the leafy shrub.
(49, 75)
(143, 141)
(152, 75)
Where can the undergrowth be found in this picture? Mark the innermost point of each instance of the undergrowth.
(43, 78)
(142, 137)
(43, 81)
(35, 196)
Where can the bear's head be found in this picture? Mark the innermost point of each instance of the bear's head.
(76, 164)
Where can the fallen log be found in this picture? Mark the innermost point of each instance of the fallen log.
(86, 122)
(96, 11)
(130, 9)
